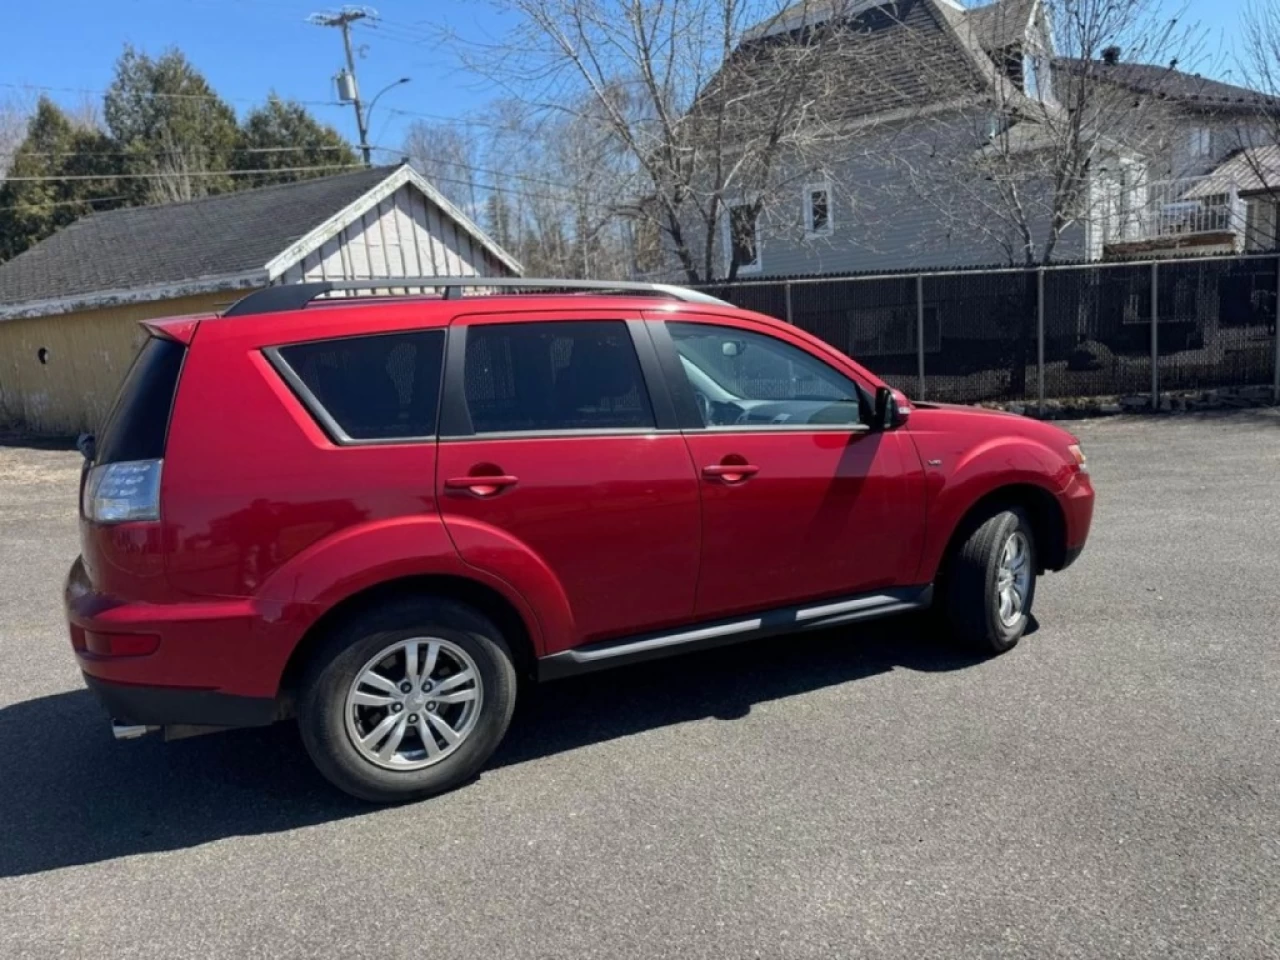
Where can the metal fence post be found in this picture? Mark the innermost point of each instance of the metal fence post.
(1040, 336)
(1275, 326)
(1155, 336)
(787, 291)
(920, 332)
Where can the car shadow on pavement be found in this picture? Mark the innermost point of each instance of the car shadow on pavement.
(74, 796)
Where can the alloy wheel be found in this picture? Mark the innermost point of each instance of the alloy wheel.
(414, 703)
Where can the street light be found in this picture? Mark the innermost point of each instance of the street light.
(368, 116)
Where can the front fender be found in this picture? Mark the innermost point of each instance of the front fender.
(977, 473)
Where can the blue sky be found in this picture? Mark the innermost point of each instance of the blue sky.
(247, 47)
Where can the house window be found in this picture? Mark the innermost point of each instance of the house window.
(817, 210)
(1199, 142)
(744, 237)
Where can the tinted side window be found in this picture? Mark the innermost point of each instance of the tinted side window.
(138, 424)
(382, 387)
(554, 376)
(740, 378)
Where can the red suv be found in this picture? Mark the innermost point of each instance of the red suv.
(377, 514)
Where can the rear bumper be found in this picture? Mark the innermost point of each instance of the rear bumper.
(167, 706)
(208, 659)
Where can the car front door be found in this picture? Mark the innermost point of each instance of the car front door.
(801, 499)
(550, 439)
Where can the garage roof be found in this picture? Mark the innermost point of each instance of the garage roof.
(219, 242)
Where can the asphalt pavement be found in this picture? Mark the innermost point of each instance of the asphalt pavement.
(1111, 788)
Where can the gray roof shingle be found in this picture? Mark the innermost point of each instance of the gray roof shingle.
(897, 55)
(232, 233)
(1000, 24)
(1168, 83)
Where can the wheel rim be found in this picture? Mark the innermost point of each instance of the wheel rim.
(414, 703)
(1013, 579)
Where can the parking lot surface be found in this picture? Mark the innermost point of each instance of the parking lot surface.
(1111, 788)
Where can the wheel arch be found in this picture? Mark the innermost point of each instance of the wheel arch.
(481, 597)
(1047, 518)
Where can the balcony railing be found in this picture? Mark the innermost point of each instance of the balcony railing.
(1182, 208)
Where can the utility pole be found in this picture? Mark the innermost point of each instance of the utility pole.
(348, 88)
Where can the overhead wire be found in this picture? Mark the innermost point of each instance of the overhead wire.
(150, 175)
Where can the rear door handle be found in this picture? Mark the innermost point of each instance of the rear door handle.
(730, 472)
(481, 486)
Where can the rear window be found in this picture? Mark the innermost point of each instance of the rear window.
(383, 387)
(138, 424)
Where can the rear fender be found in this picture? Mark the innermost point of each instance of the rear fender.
(501, 555)
(299, 593)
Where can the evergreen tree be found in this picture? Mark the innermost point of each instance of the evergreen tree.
(281, 135)
(180, 137)
(77, 166)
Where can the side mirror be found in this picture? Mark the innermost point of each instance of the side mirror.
(882, 417)
(890, 410)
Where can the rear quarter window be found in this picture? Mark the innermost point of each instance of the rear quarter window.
(382, 387)
(138, 425)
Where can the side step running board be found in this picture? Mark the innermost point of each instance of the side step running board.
(828, 613)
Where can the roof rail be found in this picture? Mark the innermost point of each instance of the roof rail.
(295, 296)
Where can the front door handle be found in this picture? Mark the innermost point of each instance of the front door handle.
(481, 486)
(730, 472)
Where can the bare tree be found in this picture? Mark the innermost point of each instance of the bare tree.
(717, 108)
(15, 112)
(1261, 42)
(448, 155)
(554, 192)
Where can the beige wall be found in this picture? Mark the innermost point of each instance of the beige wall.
(89, 353)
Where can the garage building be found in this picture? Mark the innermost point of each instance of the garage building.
(70, 306)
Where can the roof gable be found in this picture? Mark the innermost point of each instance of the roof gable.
(891, 56)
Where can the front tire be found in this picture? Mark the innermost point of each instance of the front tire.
(407, 700)
(991, 583)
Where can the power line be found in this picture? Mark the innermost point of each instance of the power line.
(160, 95)
(66, 203)
(128, 153)
(182, 173)
(487, 171)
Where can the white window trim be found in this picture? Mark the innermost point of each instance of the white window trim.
(807, 201)
(726, 237)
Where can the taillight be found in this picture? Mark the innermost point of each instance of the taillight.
(121, 492)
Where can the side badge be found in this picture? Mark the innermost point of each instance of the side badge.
(934, 463)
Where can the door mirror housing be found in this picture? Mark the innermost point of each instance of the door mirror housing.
(890, 409)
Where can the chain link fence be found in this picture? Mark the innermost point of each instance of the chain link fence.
(1027, 335)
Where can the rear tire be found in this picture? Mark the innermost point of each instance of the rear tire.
(991, 583)
(387, 735)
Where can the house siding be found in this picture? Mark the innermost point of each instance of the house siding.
(882, 223)
(1172, 157)
(87, 355)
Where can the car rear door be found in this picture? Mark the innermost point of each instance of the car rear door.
(800, 499)
(558, 437)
